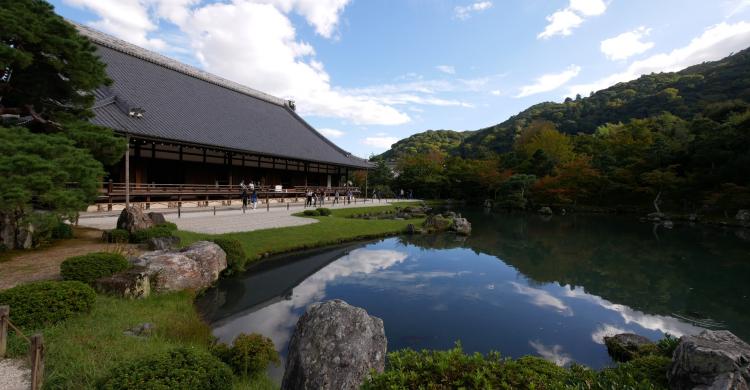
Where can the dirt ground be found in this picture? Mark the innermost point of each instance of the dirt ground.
(44, 263)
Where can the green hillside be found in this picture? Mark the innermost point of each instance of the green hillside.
(441, 140)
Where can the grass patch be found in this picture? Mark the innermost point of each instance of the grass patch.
(82, 350)
(330, 230)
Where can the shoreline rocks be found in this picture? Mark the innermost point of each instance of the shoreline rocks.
(133, 283)
(193, 268)
(710, 360)
(625, 346)
(133, 219)
(334, 346)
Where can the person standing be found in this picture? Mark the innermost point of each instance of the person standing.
(243, 195)
(254, 199)
(349, 197)
(336, 197)
(308, 194)
(401, 194)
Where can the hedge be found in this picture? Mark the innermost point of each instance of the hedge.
(311, 213)
(236, 257)
(88, 268)
(116, 236)
(141, 236)
(182, 368)
(249, 355)
(39, 304)
(324, 211)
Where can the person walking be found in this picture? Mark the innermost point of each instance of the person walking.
(322, 198)
(349, 197)
(336, 197)
(401, 194)
(308, 194)
(254, 199)
(243, 195)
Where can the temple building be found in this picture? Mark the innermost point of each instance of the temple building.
(189, 127)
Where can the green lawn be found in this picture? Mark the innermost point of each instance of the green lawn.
(333, 229)
(82, 350)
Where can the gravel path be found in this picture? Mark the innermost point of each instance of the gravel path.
(14, 375)
(225, 221)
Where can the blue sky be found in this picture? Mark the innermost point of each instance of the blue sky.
(370, 72)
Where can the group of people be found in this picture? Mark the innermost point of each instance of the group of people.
(248, 193)
(317, 198)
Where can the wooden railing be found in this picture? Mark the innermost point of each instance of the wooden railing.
(36, 347)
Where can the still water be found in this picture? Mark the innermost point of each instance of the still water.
(519, 285)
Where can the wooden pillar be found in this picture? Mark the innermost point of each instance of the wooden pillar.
(36, 352)
(127, 172)
(4, 318)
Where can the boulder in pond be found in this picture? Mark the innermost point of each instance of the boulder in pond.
(743, 216)
(437, 223)
(334, 346)
(157, 218)
(710, 360)
(163, 243)
(461, 226)
(193, 268)
(625, 346)
(133, 219)
(132, 283)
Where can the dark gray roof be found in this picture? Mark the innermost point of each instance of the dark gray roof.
(185, 104)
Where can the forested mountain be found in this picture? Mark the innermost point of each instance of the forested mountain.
(676, 139)
(445, 141)
(684, 94)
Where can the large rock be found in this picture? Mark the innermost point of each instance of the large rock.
(157, 218)
(743, 216)
(193, 268)
(132, 283)
(334, 346)
(133, 219)
(545, 211)
(163, 243)
(710, 360)
(625, 346)
(461, 226)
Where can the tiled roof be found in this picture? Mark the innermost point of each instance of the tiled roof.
(186, 104)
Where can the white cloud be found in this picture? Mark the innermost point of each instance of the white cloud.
(324, 15)
(449, 69)
(563, 21)
(627, 44)
(380, 142)
(127, 19)
(496, 92)
(543, 298)
(606, 330)
(553, 353)
(550, 82)
(734, 7)
(464, 12)
(331, 133)
(715, 43)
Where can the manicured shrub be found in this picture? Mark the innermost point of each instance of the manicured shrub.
(324, 211)
(88, 268)
(667, 345)
(116, 236)
(62, 231)
(311, 213)
(39, 304)
(168, 225)
(249, 355)
(141, 236)
(181, 368)
(236, 257)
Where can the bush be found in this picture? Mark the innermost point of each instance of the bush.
(236, 257)
(249, 355)
(324, 211)
(667, 345)
(181, 368)
(62, 231)
(168, 225)
(141, 236)
(39, 304)
(88, 268)
(311, 213)
(116, 236)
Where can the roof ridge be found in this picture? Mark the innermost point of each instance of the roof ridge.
(120, 45)
(321, 136)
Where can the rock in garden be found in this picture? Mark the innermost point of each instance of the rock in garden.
(625, 346)
(334, 346)
(193, 268)
(462, 226)
(131, 283)
(545, 211)
(710, 360)
(140, 330)
(163, 243)
(157, 218)
(133, 219)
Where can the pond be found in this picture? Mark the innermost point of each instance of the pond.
(519, 284)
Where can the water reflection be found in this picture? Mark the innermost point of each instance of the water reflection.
(518, 285)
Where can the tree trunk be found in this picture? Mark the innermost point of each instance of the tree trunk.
(657, 200)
